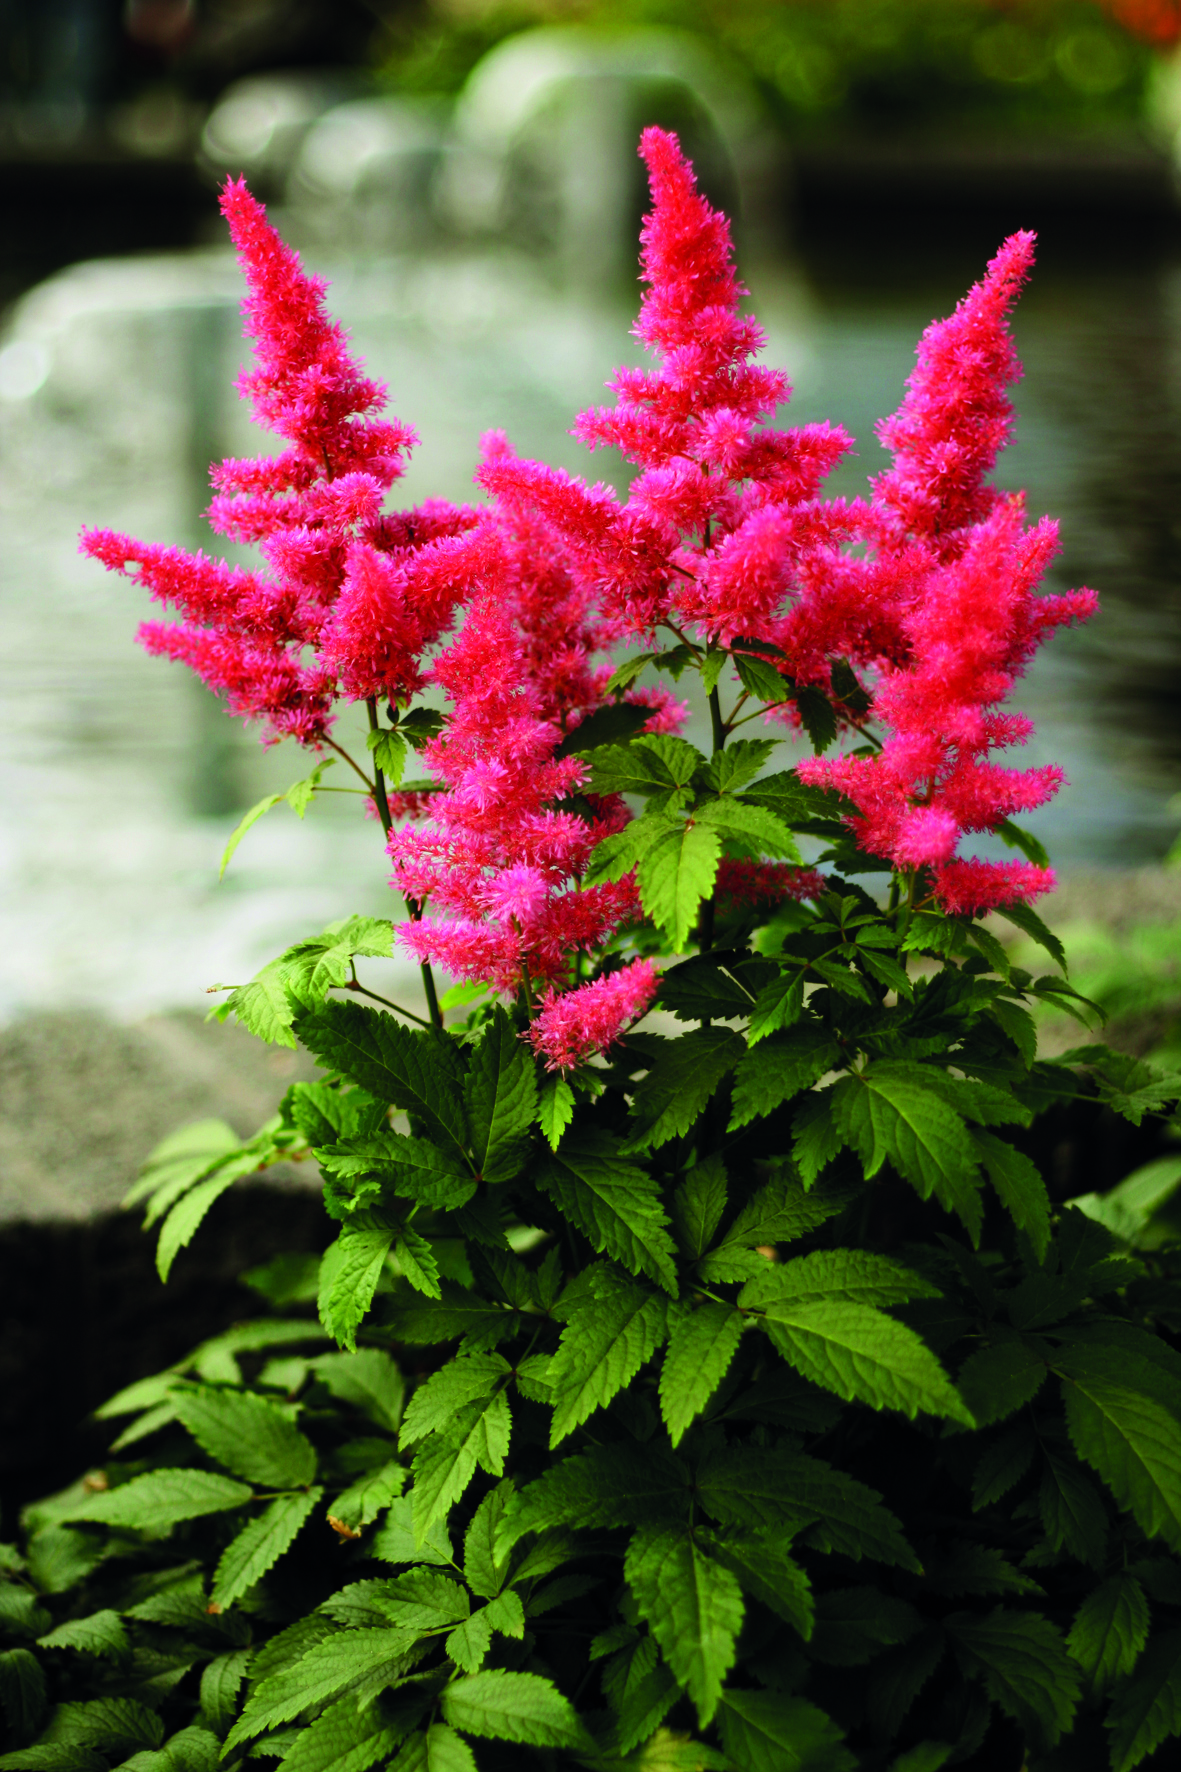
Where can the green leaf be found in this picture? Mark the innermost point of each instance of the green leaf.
(779, 1068)
(100, 1634)
(500, 1093)
(617, 1485)
(888, 1117)
(1025, 841)
(323, 1670)
(998, 1380)
(693, 1607)
(1071, 1511)
(1147, 1710)
(674, 874)
(698, 1205)
(1109, 1631)
(161, 1499)
(262, 1006)
(417, 1072)
(249, 1435)
(1020, 1187)
(770, 1732)
(816, 716)
(759, 678)
(389, 751)
(418, 1262)
(615, 1205)
(513, 1707)
(862, 1355)
(1032, 925)
(555, 1109)
(22, 1690)
(891, 1118)
(778, 1005)
(394, 1542)
(110, 1725)
(46, 1758)
(746, 1486)
(445, 1463)
(184, 1220)
(435, 1749)
(962, 1568)
(483, 1570)
(764, 1569)
(857, 1276)
(423, 1600)
(349, 1737)
(1001, 1465)
(368, 1379)
(251, 818)
(360, 1504)
(616, 1326)
(177, 1163)
(220, 1681)
(629, 670)
(1023, 1663)
(259, 1545)
(453, 1387)
(751, 824)
(928, 1756)
(349, 1273)
(674, 1093)
(1123, 1420)
(1020, 1026)
(701, 1347)
(778, 1213)
(853, 1624)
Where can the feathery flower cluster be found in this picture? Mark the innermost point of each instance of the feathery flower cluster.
(962, 571)
(928, 590)
(577, 1024)
(711, 473)
(495, 853)
(366, 592)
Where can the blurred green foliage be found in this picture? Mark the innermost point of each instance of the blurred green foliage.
(865, 65)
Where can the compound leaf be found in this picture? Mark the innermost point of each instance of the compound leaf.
(513, 1707)
(615, 1327)
(1023, 1663)
(770, 1732)
(700, 1350)
(1109, 1631)
(693, 1607)
(259, 1545)
(249, 1435)
(614, 1204)
(1147, 1709)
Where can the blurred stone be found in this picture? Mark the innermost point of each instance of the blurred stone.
(363, 176)
(83, 1100)
(256, 128)
(546, 129)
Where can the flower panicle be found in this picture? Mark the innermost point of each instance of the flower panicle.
(575, 1025)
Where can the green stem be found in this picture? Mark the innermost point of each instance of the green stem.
(354, 984)
(379, 794)
(352, 763)
(717, 724)
(432, 996)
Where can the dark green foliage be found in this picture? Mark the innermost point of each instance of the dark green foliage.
(743, 1401)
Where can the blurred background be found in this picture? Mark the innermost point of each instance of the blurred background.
(464, 172)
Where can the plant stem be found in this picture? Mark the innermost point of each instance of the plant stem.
(432, 997)
(352, 763)
(716, 722)
(379, 794)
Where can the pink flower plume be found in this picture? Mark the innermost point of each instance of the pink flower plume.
(576, 1024)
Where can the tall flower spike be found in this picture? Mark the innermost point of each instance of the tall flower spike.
(366, 592)
(496, 853)
(957, 416)
(694, 426)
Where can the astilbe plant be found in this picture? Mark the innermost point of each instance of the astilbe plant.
(719, 1390)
